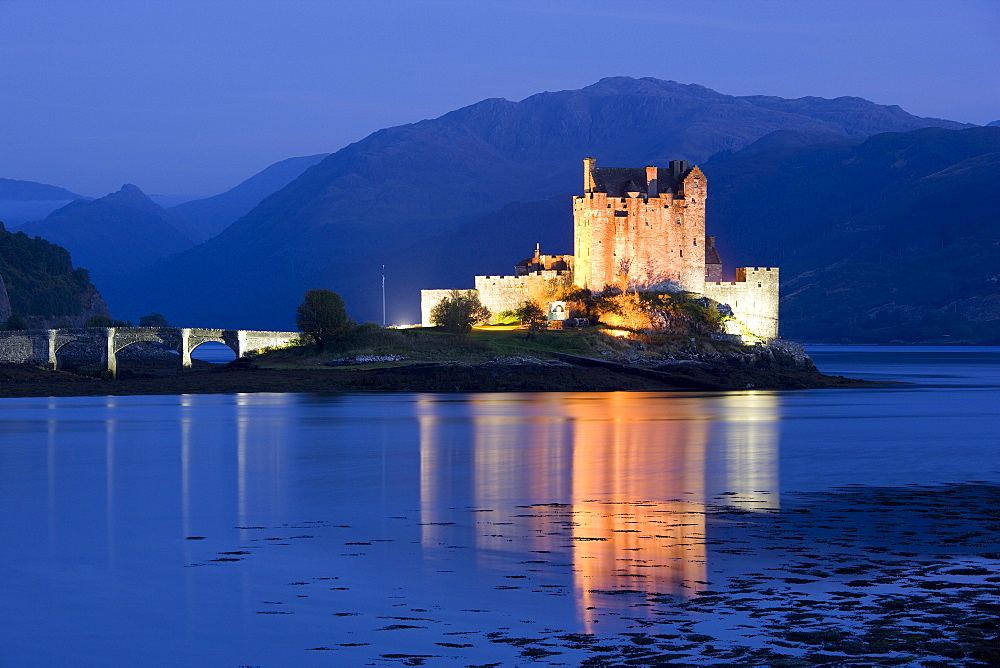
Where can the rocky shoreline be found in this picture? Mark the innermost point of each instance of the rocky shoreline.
(765, 369)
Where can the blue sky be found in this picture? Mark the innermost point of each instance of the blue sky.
(190, 98)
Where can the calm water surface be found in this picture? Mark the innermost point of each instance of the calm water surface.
(247, 529)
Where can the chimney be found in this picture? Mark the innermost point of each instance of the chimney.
(538, 250)
(677, 169)
(652, 189)
(588, 176)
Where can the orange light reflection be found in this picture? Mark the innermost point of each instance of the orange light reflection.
(631, 468)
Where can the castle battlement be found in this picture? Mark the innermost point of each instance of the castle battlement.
(644, 226)
(644, 222)
(753, 300)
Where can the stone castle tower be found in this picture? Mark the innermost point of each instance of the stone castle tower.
(643, 225)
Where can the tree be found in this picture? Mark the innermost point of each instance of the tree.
(154, 319)
(322, 316)
(532, 316)
(458, 312)
(15, 322)
(105, 321)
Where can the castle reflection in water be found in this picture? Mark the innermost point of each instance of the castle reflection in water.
(625, 478)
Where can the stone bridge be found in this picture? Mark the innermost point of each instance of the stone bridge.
(41, 346)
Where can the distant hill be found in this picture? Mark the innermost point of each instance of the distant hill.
(373, 199)
(38, 283)
(894, 238)
(993, 124)
(120, 232)
(214, 214)
(27, 191)
(21, 201)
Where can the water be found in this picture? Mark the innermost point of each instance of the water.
(249, 529)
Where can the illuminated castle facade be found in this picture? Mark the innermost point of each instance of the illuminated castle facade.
(643, 227)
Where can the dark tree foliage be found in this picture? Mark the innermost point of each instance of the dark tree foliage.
(153, 320)
(322, 316)
(39, 276)
(105, 321)
(15, 322)
(532, 316)
(458, 312)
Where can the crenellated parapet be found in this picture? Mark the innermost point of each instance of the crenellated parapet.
(645, 226)
(753, 299)
(642, 229)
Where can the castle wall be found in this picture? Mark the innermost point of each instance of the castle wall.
(430, 298)
(753, 298)
(507, 293)
(501, 293)
(656, 237)
(661, 239)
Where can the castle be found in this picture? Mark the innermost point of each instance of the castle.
(646, 227)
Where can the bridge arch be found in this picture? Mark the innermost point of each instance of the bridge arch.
(64, 347)
(42, 346)
(222, 345)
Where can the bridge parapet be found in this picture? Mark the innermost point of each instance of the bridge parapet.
(41, 346)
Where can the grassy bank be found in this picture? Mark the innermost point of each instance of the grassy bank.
(487, 343)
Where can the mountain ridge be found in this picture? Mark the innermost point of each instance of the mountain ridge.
(114, 234)
(211, 215)
(25, 191)
(411, 182)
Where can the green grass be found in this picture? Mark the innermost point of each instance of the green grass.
(433, 345)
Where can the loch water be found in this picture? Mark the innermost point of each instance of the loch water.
(406, 529)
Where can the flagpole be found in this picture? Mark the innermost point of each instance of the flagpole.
(383, 295)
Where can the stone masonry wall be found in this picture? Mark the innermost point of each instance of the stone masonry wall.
(753, 298)
(499, 293)
(661, 239)
(430, 298)
(507, 293)
(27, 346)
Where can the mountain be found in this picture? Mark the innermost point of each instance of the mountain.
(117, 233)
(25, 191)
(893, 238)
(375, 198)
(38, 283)
(214, 214)
(21, 201)
(993, 124)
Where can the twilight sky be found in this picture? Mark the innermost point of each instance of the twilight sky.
(191, 97)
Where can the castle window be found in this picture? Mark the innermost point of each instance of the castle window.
(694, 242)
(759, 285)
(682, 253)
(678, 221)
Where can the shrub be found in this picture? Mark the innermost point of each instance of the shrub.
(506, 318)
(153, 320)
(105, 321)
(15, 322)
(458, 312)
(658, 312)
